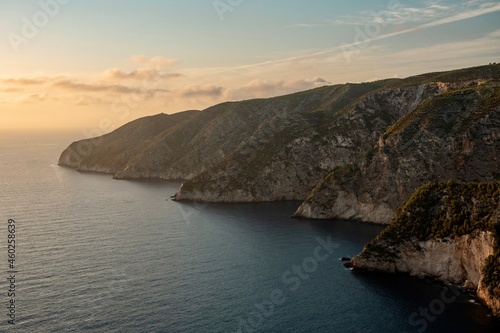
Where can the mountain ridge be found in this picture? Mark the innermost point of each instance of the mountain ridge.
(421, 154)
(287, 147)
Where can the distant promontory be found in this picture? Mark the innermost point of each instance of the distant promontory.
(347, 151)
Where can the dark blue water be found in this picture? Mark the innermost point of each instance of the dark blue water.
(100, 255)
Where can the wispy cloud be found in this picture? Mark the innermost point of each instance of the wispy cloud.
(156, 62)
(87, 100)
(139, 74)
(265, 88)
(11, 90)
(72, 84)
(383, 62)
(33, 98)
(431, 14)
(26, 81)
(436, 11)
(99, 87)
(145, 82)
(485, 8)
(196, 91)
(485, 49)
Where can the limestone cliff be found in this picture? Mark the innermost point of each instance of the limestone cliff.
(446, 231)
(288, 155)
(362, 148)
(337, 138)
(454, 135)
(459, 260)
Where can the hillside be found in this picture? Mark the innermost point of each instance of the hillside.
(448, 231)
(454, 135)
(370, 144)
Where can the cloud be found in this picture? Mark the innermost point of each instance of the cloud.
(486, 8)
(25, 81)
(459, 12)
(139, 74)
(85, 92)
(267, 88)
(86, 87)
(433, 14)
(111, 88)
(494, 34)
(33, 98)
(85, 100)
(415, 18)
(11, 90)
(154, 62)
(383, 62)
(484, 50)
(197, 91)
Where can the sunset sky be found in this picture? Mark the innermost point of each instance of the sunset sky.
(74, 64)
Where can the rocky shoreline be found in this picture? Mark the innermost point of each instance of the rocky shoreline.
(350, 151)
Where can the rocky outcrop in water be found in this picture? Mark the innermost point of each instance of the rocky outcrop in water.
(445, 231)
(458, 260)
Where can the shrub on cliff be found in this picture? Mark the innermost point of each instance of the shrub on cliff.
(446, 209)
(449, 209)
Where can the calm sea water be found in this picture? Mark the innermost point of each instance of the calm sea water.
(99, 255)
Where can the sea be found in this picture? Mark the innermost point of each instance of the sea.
(94, 254)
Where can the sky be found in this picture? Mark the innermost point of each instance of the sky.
(95, 65)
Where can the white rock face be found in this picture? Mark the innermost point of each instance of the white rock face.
(455, 261)
(348, 206)
(458, 261)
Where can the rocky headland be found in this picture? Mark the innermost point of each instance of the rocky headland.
(446, 231)
(353, 151)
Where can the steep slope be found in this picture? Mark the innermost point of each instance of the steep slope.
(287, 155)
(448, 231)
(257, 129)
(113, 152)
(281, 148)
(341, 138)
(451, 136)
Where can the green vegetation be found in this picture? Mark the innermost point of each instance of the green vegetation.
(470, 103)
(451, 209)
(447, 210)
(491, 273)
(346, 174)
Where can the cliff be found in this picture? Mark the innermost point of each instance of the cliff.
(334, 143)
(453, 135)
(125, 148)
(446, 231)
(351, 150)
